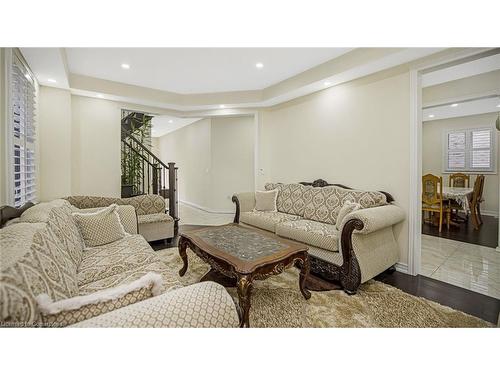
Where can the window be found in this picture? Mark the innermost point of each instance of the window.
(22, 132)
(469, 150)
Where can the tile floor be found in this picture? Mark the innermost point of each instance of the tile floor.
(469, 266)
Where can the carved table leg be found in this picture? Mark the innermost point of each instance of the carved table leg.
(244, 293)
(183, 254)
(304, 274)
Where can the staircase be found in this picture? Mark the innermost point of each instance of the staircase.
(142, 171)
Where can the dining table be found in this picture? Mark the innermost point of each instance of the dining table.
(461, 195)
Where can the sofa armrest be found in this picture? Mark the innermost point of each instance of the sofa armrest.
(201, 305)
(245, 202)
(375, 218)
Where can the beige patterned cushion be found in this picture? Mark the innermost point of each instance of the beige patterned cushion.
(346, 209)
(44, 267)
(205, 304)
(63, 224)
(155, 218)
(266, 200)
(39, 213)
(76, 309)
(129, 253)
(325, 202)
(314, 233)
(266, 220)
(292, 198)
(101, 227)
(127, 214)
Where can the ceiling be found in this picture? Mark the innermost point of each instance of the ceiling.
(459, 109)
(165, 124)
(197, 70)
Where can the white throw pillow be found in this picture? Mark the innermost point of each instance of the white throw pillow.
(100, 227)
(345, 210)
(266, 200)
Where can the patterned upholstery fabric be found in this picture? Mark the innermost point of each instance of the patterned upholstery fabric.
(246, 200)
(101, 227)
(200, 305)
(266, 220)
(15, 242)
(127, 214)
(65, 318)
(120, 262)
(44, 268)
(62, 223)
(39, 213)
(376, 218)
(266, 200)
(326, 255)
(144, 204)
(325, 203)
(292, 198)
(76, 309)
(313, 233)
(155, 218)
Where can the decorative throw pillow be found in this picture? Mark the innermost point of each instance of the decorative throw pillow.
(345, 210)
(266, 200)
(74, 310)
(100, 227)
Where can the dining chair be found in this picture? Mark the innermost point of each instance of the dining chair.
(477, 199)
(458, 180)
(432, 198)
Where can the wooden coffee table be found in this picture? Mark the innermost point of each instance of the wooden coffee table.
(243, 254)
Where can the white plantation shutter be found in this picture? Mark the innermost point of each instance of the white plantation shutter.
(23, 133)
(470, 150)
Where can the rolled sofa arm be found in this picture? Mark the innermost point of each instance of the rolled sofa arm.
(244, 202)
(201, 305)
(376, 218)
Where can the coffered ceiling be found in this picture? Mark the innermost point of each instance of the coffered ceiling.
(197, 70)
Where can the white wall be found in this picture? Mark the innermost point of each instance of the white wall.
(232, 166)
(432, 153)
(96, 168)
(189, 148)
(215, 158)
(3, 125)
(356, 134)
(54, 135)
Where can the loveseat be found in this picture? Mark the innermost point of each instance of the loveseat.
(351, 252)
(154, 223)
(49, 278)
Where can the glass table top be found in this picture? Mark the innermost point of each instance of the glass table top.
(242, 243)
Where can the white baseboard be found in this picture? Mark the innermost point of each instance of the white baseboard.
(489, 213)
(401, 267)
(206, 209)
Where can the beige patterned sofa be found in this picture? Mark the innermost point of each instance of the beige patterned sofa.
(49, 278)
(154, 223)
(351, 252)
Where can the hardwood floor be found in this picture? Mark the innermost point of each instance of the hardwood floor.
(470, 302)
(487, 235)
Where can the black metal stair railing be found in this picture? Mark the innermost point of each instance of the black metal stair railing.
(147, 173)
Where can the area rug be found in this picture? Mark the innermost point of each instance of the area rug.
(277, 302)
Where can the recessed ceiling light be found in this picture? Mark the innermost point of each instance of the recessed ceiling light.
(100, 96)
(170, 121)
(259, 65)
(498, 105)
(125, 66)
(454, 105)
(327, 83)
(222, 106)
(51, 80)
(431, 116)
